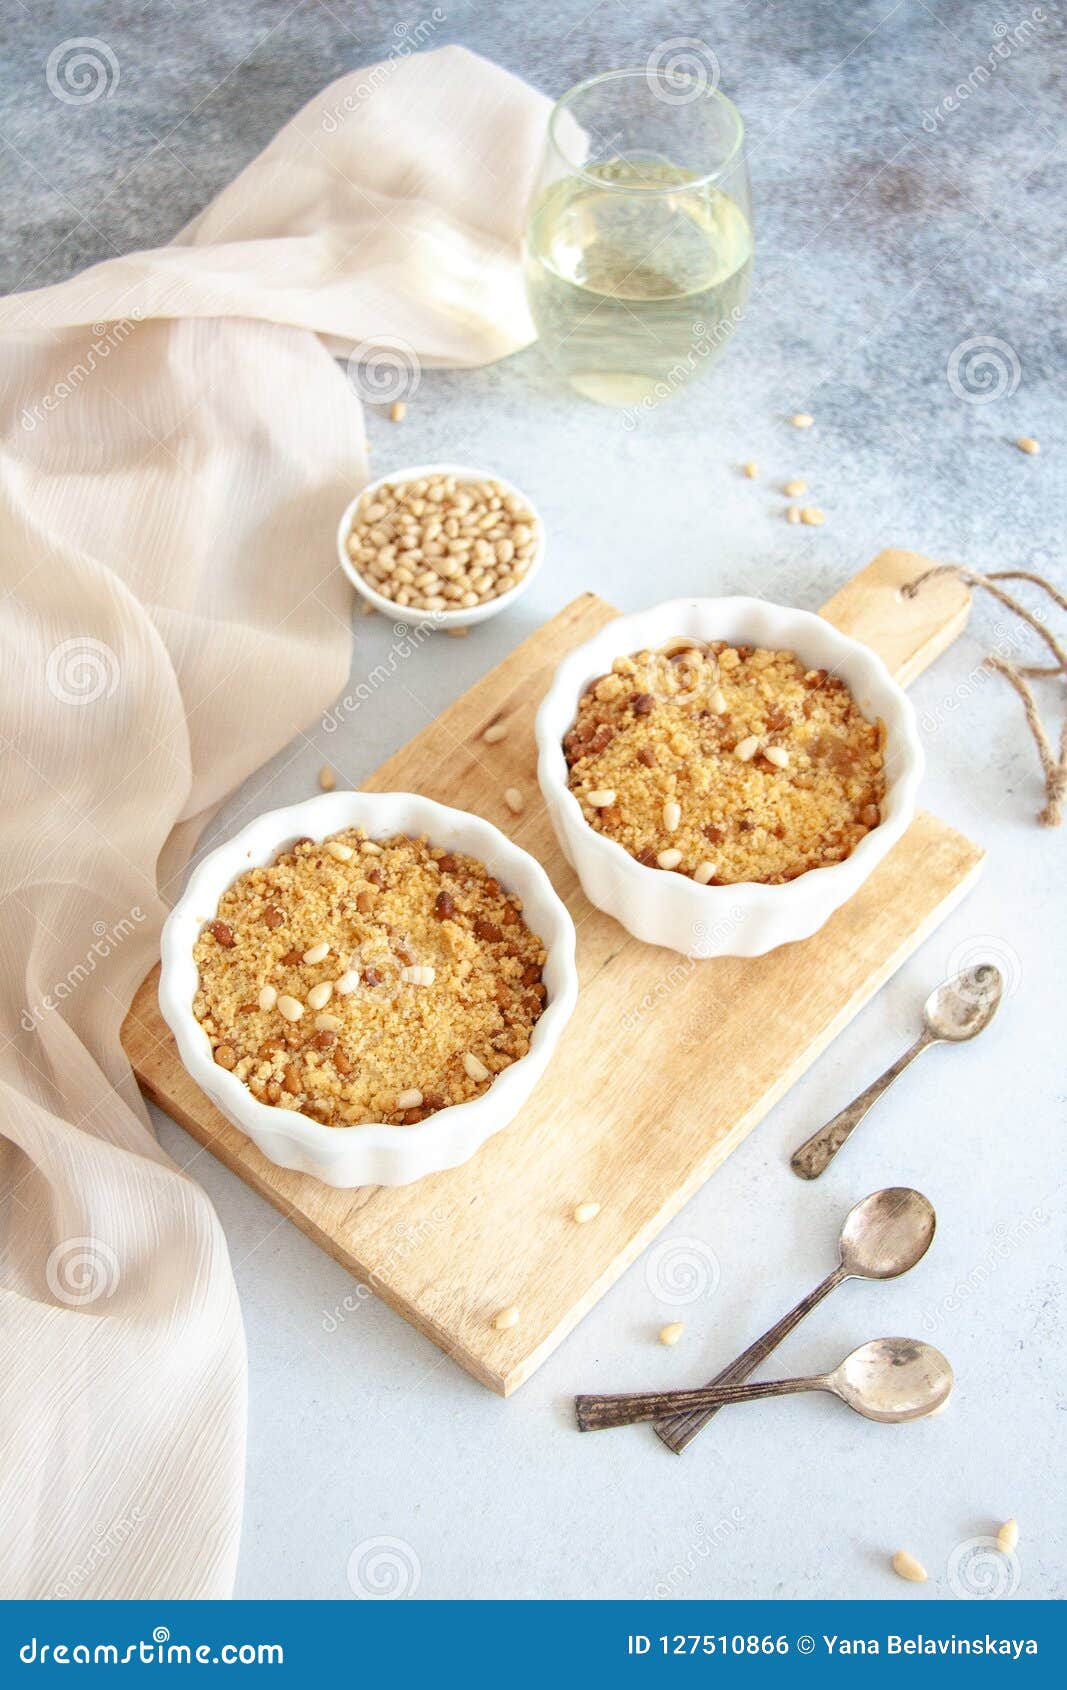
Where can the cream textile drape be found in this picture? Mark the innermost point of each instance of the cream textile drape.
(177, 442)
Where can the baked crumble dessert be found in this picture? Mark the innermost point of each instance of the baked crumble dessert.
(726, 763)
(356, 981)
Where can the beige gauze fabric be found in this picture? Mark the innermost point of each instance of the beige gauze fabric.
(177, 443)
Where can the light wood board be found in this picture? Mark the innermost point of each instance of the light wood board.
(664, 1069)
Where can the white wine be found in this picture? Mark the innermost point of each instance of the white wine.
(636, 284)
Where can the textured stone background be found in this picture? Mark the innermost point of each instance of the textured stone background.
(883, 244)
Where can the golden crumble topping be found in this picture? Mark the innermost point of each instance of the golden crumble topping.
(726, 763)
(358, 981)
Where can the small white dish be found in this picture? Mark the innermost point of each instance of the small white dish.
(439, 618)
(748, 918)
(378, 1154)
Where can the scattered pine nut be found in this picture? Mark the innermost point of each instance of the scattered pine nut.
(495, 732)
(672, 815)
(370, 848)
(291, 1008)
(514, 800)
(409, 1099)
(475, 1069)
(506, 1318)
(1027, 445)
(794, 487)
(347, 982)
(670, 858)
(586, 1212)
(778, 755)
(813, 516)
(327, 778)
(601, 799)
(751, 470)
(802, 420)
(268, 997)
(718, 702)
(704, 872)
(792, 514)
(907, 1567)
(317, 953)
(671, 1333)
(327, 1023)
(320, 995)
(1008, 1537)
(457, 633)
(341, 853)
(397, 411)
(420, 975)
(746, 748)
(368, 609)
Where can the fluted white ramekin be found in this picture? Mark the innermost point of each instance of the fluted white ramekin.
(670, 909)
(378, 1154)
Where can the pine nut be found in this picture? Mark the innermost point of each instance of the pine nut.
(328, 1023)
(291, 1008)
(813, 516)
(409, 1099)
(348, 982)
(506, 1319)
(802, 420)
(718, 702)
(370, 849)
(793, 514)
(327, 778)
(602, 798)
(476, 1070)
(397, 411)
(514, 800)
(704, 872)
(907, 1567)
(318, 952)
(669, 859)
(746, 748)
(751, 471)
(495, 732)
(268, 997)
(420, 975)
(1027, 445)
(341, 853)
(1008, 1537)
(586, 1212)
(794, 487)
(672, 815)
(671, 1333)
(778, 755)
(320, 995)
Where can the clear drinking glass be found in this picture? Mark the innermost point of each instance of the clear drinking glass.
(639, 233)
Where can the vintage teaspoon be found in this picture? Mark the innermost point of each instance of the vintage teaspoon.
(882, 1237)
(958, 1010)
(889, 1379)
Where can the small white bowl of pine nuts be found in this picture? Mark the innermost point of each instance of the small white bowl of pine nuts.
(441, 543)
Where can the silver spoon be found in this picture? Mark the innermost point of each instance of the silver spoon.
(958, 1010)
(889, 1379)
(882, 1237)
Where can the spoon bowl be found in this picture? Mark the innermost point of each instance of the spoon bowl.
(961, 1008)
(887, 1233)
(893, 1379)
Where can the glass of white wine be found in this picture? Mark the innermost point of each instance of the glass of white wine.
(639, 234)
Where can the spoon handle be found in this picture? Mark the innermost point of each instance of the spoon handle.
(817, 1152)
(679, 1430)
(597, 1412)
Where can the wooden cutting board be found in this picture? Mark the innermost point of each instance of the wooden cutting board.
(665, 1067)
